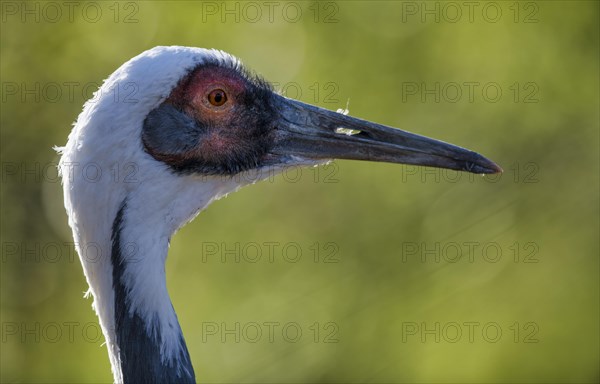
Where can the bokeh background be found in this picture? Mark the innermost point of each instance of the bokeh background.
(390, 273)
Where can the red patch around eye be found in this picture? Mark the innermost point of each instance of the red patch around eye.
(214, 146)
(193, 92)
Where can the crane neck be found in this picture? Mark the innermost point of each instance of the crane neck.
(148, 337)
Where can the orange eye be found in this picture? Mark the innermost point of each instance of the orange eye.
(217, 97)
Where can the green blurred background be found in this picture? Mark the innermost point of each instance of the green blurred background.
(391, 273)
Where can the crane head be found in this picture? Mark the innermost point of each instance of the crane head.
(222, 120)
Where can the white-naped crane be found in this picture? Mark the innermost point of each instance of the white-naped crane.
(185, 120)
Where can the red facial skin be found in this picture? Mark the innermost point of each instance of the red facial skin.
(192, 96)
(219, 120)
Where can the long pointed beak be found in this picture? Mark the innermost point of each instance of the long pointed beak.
(315, 133)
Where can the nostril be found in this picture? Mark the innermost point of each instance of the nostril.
(347, 131)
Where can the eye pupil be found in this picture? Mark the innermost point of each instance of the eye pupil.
(217, 97)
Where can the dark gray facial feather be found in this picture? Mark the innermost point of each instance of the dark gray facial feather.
(169, 131)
